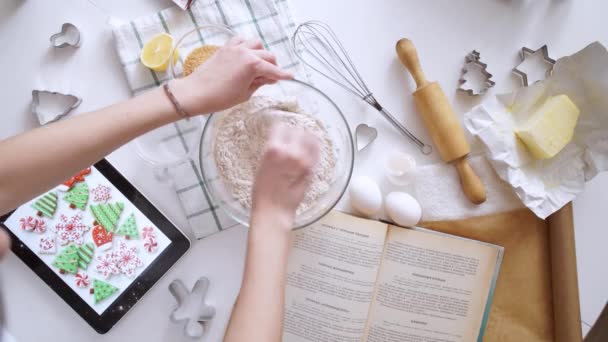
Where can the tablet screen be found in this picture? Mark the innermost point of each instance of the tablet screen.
(91, 236)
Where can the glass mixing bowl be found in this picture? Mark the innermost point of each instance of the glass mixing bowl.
(312, 101)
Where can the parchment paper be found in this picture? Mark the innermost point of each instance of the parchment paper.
(545, 186)
(536, 297)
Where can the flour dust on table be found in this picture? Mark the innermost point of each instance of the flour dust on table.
(243, 133)
(90, 235)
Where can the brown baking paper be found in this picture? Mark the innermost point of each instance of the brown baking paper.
(525, 306)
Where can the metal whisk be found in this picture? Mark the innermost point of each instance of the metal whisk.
(316, 44)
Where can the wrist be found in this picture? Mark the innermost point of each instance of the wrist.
(190, 98)
(271, 220)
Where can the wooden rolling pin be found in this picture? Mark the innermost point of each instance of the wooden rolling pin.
(441, 122)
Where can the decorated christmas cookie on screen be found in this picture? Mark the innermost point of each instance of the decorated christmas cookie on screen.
(79, 177)
(102, 290)
(78, 196)
(150, 244)
(46, 245)
(107, 265)
(71, 229)
(102, 238)
(67, 260)
(46, 205)
(82, 279)
(101, 193)
(33, 224)
(107, 214)
(85, 255)
(129, 228)
(127, 260)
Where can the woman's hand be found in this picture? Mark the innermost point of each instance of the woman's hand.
(284, 174)
(281, 183)
(228, 78)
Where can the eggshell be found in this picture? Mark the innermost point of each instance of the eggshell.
(403, 209)
(398, 167)
(365, 195)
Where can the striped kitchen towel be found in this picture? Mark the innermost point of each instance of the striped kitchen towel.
(270, 21)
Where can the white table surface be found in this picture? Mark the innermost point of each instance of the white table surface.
(444, 33)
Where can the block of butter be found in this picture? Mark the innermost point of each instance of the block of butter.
(550, 128)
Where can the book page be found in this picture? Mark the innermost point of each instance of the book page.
(331, 276)
(431, 287)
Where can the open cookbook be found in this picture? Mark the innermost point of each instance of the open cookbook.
(352, 279)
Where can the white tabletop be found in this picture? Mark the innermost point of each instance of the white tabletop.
(444, 33)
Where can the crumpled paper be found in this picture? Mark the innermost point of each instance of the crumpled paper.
(545, 186)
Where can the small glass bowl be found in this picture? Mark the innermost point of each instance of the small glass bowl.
(170, 145)
(312, 101)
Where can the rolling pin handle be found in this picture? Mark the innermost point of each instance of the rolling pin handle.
(409, 57)
(471, 184)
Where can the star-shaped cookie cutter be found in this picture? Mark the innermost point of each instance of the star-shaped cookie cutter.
(475, 58)
(524, 53)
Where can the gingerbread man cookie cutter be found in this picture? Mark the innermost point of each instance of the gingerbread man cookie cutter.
(191, 306)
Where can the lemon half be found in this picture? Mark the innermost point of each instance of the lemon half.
(156, 54)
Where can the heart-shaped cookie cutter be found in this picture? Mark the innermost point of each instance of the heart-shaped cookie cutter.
(364, 136)
(69, 36)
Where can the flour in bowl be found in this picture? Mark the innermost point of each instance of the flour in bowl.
(241, 137)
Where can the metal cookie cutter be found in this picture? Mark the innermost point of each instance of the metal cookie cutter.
(474, 59)
(364, 136)
(43, 99)
(524, 53)
(69, 36)
(192, 307)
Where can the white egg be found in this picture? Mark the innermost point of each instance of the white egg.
(365, 195)
(403, 209)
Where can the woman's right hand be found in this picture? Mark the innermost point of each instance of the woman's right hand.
(283, 176)
(228, 78)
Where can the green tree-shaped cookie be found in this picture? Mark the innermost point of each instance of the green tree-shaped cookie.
(78, 196)
(47, 204)
(102, 290)
(67, 260)
(107, 214)
(85, 255)
(129, 228)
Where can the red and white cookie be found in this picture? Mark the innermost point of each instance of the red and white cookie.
(102, 238)
(82, 280)
(107, 265)
(27, 223)
(127, 260)
(150, 245)
(47, 245)
(71, 230)
(101, 193)
(39, 226)
(148, 232)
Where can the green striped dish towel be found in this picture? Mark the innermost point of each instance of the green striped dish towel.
(268, 20)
